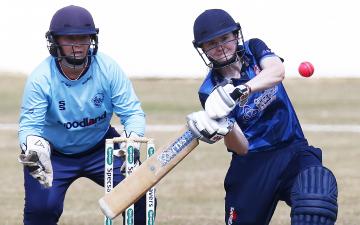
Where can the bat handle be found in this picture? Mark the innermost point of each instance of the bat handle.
(236, 94)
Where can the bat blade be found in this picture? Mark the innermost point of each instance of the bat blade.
(150, 172)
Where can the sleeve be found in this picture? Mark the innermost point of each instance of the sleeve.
(259, 49)
(126, 104)
(202, 98)
(205, 89)
(33, 109)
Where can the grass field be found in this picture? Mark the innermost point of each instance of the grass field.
(193, 192)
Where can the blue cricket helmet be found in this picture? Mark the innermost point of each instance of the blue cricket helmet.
(72, 20)
(213, 23)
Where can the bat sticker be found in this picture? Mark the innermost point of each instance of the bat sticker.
(166, 156)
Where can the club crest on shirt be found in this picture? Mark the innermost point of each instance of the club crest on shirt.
(266, 98)
(249, 112)
(260, 103)
(98, 99)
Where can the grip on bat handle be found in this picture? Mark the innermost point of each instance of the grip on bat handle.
(236, 94)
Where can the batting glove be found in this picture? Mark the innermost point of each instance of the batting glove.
(36, 158)
(223, 99)
(207, 129)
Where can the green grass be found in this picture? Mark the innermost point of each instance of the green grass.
(334, 101)
(11, 90)
(193, 192)
(167, 101)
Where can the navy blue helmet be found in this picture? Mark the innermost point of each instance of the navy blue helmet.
(71, 20)
(211, 24)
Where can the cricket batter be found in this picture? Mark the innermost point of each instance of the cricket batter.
(280, 164)
(65, 116)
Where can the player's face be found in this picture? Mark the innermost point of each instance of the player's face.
(74, 47)
(222, 48)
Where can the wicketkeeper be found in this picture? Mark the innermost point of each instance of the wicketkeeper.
(245, 85)
(65, 117)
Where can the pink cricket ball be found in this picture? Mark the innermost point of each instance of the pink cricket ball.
(306, 69)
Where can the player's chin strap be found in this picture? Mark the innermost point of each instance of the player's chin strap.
(216, 65)
(72, 62)
(64, 61)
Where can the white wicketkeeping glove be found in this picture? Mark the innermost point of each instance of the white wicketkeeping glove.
(37, 159)
(121, 151)
(220, 102)
(207, 129)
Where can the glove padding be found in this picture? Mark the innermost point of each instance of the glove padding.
(36, 157)
(220, 102)
(207, 129)
(122, 150)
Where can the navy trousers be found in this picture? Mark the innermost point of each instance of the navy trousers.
(257, 181)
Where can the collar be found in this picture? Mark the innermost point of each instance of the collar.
(82, 73)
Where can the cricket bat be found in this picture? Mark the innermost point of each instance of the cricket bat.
(150, 172)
